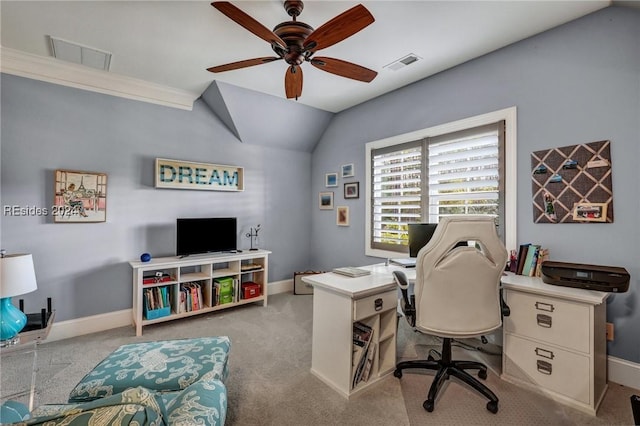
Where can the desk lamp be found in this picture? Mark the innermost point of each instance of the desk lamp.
(17, 277)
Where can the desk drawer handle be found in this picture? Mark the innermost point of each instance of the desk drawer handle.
(544, 353)
(541, 306)
(377, 305)
(544, 320)
(544, 367)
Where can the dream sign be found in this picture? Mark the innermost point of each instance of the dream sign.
(178, 174)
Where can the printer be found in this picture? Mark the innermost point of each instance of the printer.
(590, 277)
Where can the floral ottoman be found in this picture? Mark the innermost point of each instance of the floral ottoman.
(162, 366)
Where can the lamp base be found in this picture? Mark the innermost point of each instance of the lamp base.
(12, 321)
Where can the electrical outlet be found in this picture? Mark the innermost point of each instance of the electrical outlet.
(609, 331)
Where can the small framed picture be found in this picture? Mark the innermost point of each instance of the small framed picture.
(80, 197)
(590, 212)
(325, 201)
(342, 216)
(331, 179)
(348, 170)
(352, 190)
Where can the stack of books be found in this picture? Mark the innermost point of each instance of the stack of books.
(364, 351)
(528, 260)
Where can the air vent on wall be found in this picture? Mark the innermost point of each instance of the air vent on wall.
(403, 62)
(79, 54)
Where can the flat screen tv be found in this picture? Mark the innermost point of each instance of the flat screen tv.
(419, 236)
(206, 235)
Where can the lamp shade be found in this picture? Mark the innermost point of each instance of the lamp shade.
(17, 275)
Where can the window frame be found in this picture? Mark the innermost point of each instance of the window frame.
(509, 115)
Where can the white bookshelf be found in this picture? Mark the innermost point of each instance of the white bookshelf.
(246, 266)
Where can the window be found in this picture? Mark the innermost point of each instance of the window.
(457, 168)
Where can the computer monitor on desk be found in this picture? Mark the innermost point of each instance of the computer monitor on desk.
(419, 236)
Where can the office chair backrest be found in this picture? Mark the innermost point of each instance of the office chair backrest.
(457, 287)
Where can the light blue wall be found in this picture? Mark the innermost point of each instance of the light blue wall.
(575, 84)
(84, 267)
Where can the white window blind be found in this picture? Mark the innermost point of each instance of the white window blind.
(397, 174)
(421, 181)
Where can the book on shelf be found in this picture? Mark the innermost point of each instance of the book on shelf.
(350, 271)
(522, 254)
(530, 259)
(543, 254)
(362, 336)
(371, 353)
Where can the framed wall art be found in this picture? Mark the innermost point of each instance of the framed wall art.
(572, 184)
(80, 197)
(325, 201)
(331, 179)
(342, 216)
(348, 170)
(352, 190)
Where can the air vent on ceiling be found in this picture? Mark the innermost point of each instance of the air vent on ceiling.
(403, 62)
(79, 54)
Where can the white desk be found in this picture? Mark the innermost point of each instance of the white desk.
(554, 340)
(340, 301)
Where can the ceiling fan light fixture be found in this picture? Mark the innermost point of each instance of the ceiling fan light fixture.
(405, 61)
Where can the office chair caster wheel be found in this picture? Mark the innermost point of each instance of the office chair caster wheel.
(492, 406)
(398, 374)
(428, 405)
(482, 374)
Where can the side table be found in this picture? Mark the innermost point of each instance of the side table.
(19, 364)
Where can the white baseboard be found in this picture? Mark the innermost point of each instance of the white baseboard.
(623, 372)
(93, 324)
(284, 286)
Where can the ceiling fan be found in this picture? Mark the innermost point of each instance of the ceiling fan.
(297, 42)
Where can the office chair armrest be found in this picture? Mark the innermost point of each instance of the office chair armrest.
(408, 305)
(506, 311)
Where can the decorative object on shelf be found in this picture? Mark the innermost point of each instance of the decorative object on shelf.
(352, 190)
(145, 257)
(17, 277)
(331, 180)
(253, 236)
(80, 197)
(325, 200)
(177, 174)
(572, 184)
(342, 216)
(348, 170)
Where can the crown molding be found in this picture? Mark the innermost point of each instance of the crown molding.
(55, 71)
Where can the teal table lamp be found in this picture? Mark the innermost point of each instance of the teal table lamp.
(17, 277)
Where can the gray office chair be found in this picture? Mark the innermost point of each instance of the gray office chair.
(457, 295)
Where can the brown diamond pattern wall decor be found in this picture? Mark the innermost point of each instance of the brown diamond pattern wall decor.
(572, 184)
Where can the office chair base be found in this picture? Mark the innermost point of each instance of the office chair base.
(446, 368)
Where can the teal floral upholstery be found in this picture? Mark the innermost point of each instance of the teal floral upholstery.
(135, 406)
(202, 403)
(164, 366)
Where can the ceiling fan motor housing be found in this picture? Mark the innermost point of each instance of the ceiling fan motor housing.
(294, 33)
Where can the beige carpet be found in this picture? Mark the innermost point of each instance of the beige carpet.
(457, 404)
(270, 381)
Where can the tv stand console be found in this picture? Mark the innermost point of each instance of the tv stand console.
(157, 285)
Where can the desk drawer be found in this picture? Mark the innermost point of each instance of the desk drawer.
(548, 366)
(554, 321)
(372, 305)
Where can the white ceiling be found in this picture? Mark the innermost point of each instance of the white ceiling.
(171, 43)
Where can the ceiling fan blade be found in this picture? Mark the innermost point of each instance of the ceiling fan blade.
(293, 82)
(243, 64)
(337, 29)
(248, 22)
(343, 68)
